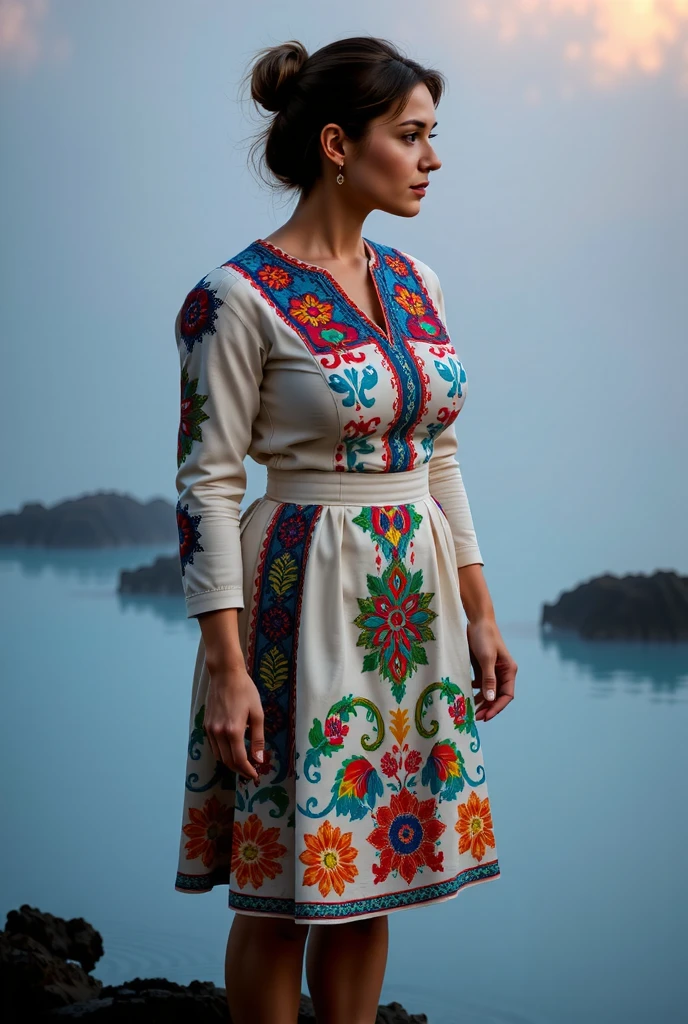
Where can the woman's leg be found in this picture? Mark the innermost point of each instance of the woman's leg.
(263, 969)
(345, 968)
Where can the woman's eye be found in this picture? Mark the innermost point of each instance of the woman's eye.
(413, 134)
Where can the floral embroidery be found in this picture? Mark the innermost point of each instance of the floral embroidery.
(398, 762)
(475, 826)
(395, 623)
(273, 637)
(397, 265)
(393, 526)
(274, 277)
(401, 757)
(356, 787)
(198, 314)
(405, 835)
(444, 768)
(255, 852)
(187, 526)
(410, 301)
(333, 329)
(191, 416)
(309, 309)
(209, 830)
(330, 858)
(426, 327)
(335, 730)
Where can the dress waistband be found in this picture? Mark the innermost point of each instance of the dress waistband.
(325, 487)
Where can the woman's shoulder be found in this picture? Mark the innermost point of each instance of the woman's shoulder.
(226, 284)
(424, 269)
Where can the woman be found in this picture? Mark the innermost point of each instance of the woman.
(334, 768)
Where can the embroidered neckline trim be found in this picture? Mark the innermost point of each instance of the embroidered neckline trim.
(372, 264)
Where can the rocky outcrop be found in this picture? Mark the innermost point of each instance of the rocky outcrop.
(630, 607)
(104, 519)
(44, 977)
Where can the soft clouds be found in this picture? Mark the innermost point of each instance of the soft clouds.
(605, 40)
(24, 41)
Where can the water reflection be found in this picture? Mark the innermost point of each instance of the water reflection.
(165, 607)
(93, 565)
(661, 666)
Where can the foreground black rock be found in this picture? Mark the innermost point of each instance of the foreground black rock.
(44, 976)
(630, 607)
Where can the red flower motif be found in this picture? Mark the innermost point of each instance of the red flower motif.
(389, 765)
(335, 730)
(405, 834)
(413, 761)
(458, 710)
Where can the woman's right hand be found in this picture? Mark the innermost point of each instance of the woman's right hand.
(232, 704)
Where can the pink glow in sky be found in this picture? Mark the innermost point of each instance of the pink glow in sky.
(607, 40)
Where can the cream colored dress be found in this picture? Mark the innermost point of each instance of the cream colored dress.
(372, 796)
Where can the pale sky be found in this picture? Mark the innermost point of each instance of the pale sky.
(558, 225)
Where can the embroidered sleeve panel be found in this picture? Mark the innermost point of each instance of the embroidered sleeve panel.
(221, 364)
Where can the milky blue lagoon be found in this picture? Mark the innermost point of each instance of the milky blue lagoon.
(587, 776)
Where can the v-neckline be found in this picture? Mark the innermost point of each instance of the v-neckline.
(372, 262)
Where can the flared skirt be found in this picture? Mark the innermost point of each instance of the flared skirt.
(372, 795)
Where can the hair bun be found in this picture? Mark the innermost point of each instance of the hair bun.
(275, 72)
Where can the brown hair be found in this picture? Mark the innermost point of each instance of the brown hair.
(349, 82)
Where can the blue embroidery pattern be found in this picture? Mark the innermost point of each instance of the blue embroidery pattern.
(275, 626)
(335, 331)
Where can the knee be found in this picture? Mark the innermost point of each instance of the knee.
(269, 929)
(289, 931)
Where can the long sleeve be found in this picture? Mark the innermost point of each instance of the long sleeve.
(221, 363)
(446, 482)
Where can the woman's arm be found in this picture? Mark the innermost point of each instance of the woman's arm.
(475, 596)
(221, 363)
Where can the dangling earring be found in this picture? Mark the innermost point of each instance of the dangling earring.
(340, 176)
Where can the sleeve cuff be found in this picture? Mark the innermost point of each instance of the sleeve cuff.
(468, 556)
(213, 600)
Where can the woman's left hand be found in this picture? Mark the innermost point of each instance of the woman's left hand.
(494, 668)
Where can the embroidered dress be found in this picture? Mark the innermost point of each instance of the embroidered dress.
(373, 795)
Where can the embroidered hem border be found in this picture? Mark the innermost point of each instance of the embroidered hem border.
(355, 908)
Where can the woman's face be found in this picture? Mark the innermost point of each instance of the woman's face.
(395, 155)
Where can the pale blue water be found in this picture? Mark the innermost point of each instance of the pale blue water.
(587, 773)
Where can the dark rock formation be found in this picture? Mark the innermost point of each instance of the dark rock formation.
(40, 981)
(162, 577)
(39, 971)
(104, 519)
(630, 607)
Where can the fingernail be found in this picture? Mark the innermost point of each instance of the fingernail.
(490, 694)
(259, 755)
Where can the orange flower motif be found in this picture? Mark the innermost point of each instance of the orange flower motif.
(330, 857)
(209, 831)
(475, 826)
(255, 851)
(274, 277)
(412, 302)
(309, 309)
(397, 265)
